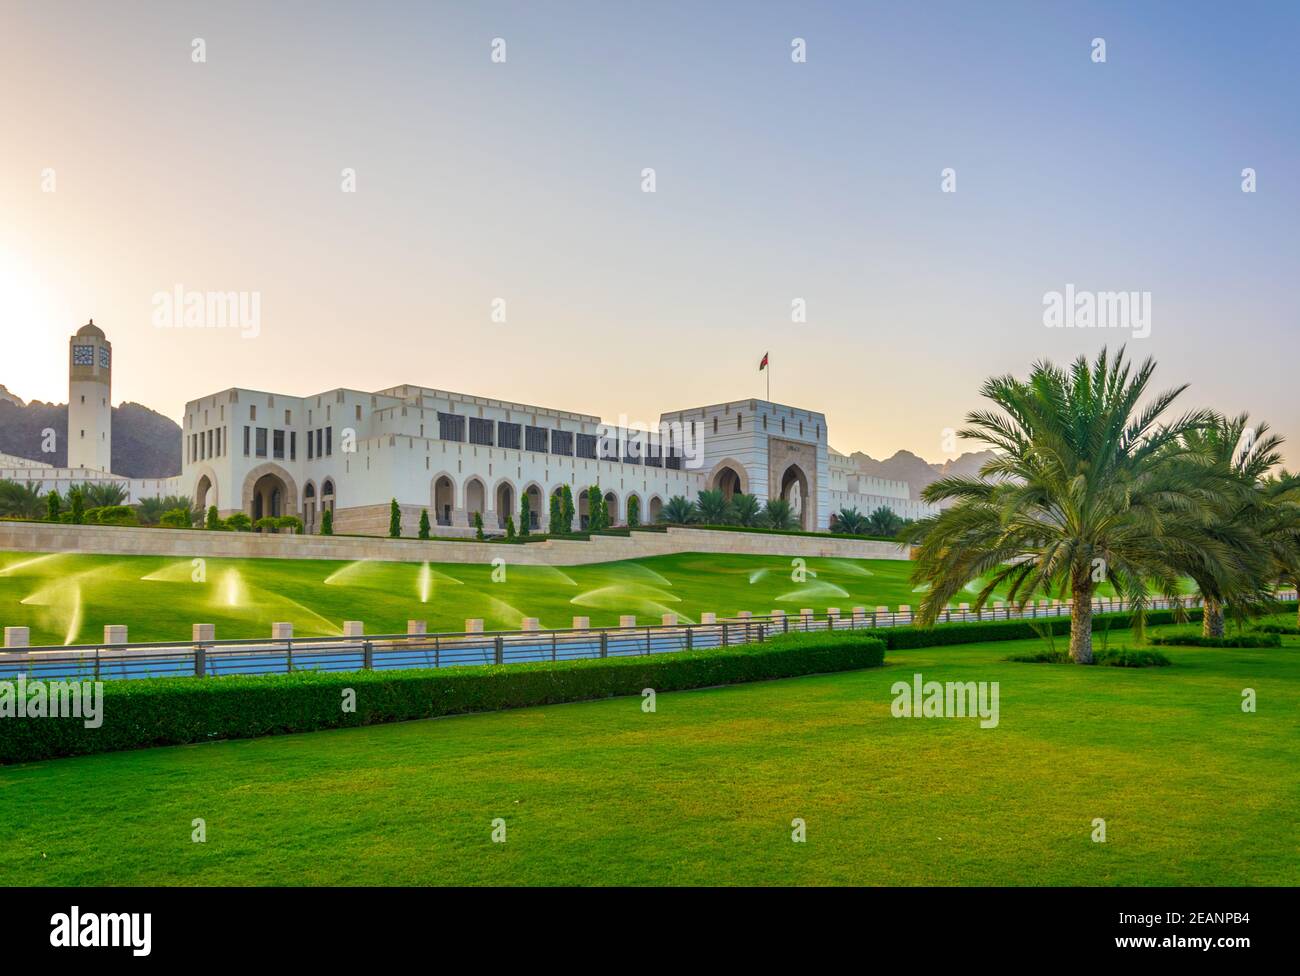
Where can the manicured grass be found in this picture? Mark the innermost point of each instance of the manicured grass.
(64, 598)
(1193, 790)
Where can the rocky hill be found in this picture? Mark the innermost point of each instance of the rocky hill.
(145, 443)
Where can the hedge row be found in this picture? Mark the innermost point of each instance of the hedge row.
(175, 711)
(1196, 640)
(905, 638)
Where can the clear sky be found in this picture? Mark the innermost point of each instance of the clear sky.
(775, 180)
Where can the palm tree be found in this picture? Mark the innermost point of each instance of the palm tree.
(1280, 528)
(103, 495)
(678, 511)
(21, 500)
(884, 522)
(713, 507)
(1085, 486)
(777, 514)
(849, 521)
(746, 510)
(151, 510)
(1236, 460)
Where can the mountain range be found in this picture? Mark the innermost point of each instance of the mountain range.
(145, 443)
(918, 472)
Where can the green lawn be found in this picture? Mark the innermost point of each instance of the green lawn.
(64, 598)
(1193, 790)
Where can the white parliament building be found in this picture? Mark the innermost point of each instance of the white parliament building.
(457, 455)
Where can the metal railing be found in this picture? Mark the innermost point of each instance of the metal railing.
(272, 655)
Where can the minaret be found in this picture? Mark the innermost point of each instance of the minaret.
(90, 388)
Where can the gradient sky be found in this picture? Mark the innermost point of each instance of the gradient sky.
(775, 180)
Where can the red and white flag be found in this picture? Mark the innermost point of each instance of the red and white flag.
(763, 365)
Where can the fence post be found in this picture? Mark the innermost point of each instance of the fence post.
(725, 642)
(690, 638)
(368, 656)
(199, 634)
(604, 643)
(499, 650)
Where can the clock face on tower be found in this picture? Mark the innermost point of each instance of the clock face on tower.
(83, 355)
(103, 358)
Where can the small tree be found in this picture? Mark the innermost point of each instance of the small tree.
(327, 522)
(633, 512)
(394, 520)
(478, 526)
(525, 514)
(557, 507)
(510, 527)
(567, 512)
(177, 518)
(424, 523)
(214, 520)
(78, 506)
(53, 504)
(595, 509)
(239, 522)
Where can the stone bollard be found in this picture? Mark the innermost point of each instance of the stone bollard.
(474, 625)
(670, 620)
(581, 623)
(531, 624)
(882, 610)
(745, 615)
(281, 631)
(115, 634)
(964, 606)
(18, 637)
(904, 610)
(806, 617)
(627, 620)
(417, 628)
(354, 628)
(708, 618)
(204, 632)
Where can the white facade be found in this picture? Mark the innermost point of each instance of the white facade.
(852, 489)
(457, 455)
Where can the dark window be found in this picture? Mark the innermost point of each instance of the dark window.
(535, 438)
(480, 431)
(261, 442)
(320, 442)
(654, 455)
(329, 441)
(245, 442)
(587, 446)
(451, 427)
(508, 435)
(311, 446)
(277, 444)
(293, 445)
(562, 442)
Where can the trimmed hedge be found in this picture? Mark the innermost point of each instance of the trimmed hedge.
(1118, 658)
(906, 638)
(1277, 629)
(1196, 640)
(176, 711)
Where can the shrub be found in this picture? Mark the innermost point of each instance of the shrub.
(556, 523)
(478, 526)
(1118, 658)
(525, 514)
(633, 512)
(173, 711)
(567, 510)
(394, 520)
(290, 522)
(77, 506)
(510, 528)
(177, 518)
(214, 520)
(327, 522)
(1196, 640)
(425, 528)
(239, 522)
(1277, 629)
(53, 505)
(112, 515)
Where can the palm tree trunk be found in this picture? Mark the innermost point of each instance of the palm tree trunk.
(1081, 624)
(1212, 619)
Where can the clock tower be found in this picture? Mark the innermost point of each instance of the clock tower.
(90, 411)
